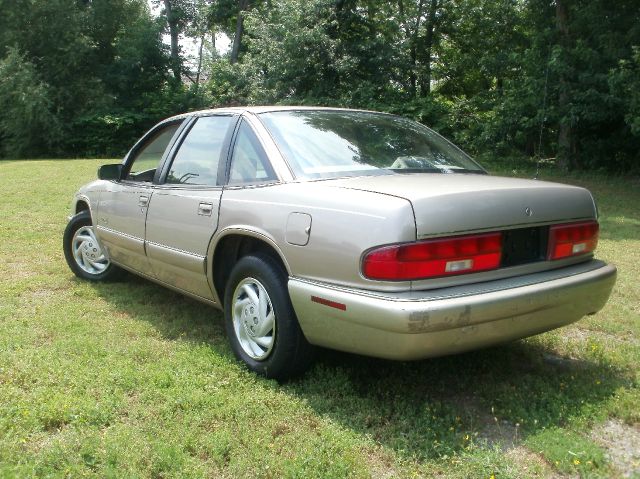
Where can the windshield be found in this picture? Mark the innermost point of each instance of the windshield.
(329, 144)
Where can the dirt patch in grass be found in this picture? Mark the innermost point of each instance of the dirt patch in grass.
(489, 429)
(584, 335)
(18, 270)
(531, 461)
(381, 465)
(565, 363)
(622, 445)
(494, 432)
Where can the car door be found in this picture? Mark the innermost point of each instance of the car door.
(183, 213)
(123, 206)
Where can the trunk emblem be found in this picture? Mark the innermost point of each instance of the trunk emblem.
(528, 211)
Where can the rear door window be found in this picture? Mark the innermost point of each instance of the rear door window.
(198, 158)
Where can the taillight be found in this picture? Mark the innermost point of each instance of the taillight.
(431, 258)
(572, 239)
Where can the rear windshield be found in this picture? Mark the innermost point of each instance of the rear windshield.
(329, 144)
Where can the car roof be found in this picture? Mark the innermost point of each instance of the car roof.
(263, 109)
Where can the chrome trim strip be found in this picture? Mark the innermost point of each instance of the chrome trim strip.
(119, 234)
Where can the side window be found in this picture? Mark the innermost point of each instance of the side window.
(249, 163)
(197, 160)
(148, 157)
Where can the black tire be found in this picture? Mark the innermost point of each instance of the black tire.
(76, 223)
(290, 353)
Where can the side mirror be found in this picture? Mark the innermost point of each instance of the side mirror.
(110, 172)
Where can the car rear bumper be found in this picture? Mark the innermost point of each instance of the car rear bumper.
(449, 320)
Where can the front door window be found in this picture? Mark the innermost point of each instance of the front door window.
(147, 158)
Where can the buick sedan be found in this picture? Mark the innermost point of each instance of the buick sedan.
(353, 230)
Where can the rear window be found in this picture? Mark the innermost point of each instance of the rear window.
(327, 144)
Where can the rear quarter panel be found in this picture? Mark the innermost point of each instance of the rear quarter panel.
(344, 223)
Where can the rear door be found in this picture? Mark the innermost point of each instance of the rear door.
(122, 208)
(183, 213)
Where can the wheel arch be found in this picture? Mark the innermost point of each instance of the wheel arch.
(234, 244)
(82, 203)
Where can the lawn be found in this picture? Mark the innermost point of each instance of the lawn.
(130, 379)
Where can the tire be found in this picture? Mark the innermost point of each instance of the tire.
(260, 321)
(83, 252)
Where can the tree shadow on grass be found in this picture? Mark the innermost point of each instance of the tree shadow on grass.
(425, 409)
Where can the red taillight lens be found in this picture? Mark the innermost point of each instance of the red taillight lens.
(439, 257)
(572, 239)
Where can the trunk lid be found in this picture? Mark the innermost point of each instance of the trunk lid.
(457, 203)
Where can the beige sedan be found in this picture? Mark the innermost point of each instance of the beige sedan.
(359, 231)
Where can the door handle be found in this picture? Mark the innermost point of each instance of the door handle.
(143, 201)
(205, 209)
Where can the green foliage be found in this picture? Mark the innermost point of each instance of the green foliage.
(107, 134)
(291, 54)
(95, 73)
(625, 83)
(488, 74)
(509, 81)
(26, 122)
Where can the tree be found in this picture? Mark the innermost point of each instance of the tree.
(26, 122)
(566, 155)
(100, 64)
(505, 79)
(237, 38)
(177, 14)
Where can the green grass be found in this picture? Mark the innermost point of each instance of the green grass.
(130, 379)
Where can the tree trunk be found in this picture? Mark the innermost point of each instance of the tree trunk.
(172, 20)
(564, 156)
(425, 84)
(199, 62)
(235, 51)
(413, 51)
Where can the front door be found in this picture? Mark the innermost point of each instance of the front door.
(183, 213)
(122, 207)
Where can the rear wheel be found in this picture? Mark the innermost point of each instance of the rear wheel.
(84, 253)
(261, 324)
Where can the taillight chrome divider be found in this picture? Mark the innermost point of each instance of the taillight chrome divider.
(468, 254)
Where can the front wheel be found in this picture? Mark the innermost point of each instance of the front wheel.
(84, 253)
(261, 324)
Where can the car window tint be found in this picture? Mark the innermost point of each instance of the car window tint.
(249, 163)
(148, 158)
(196, 162)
